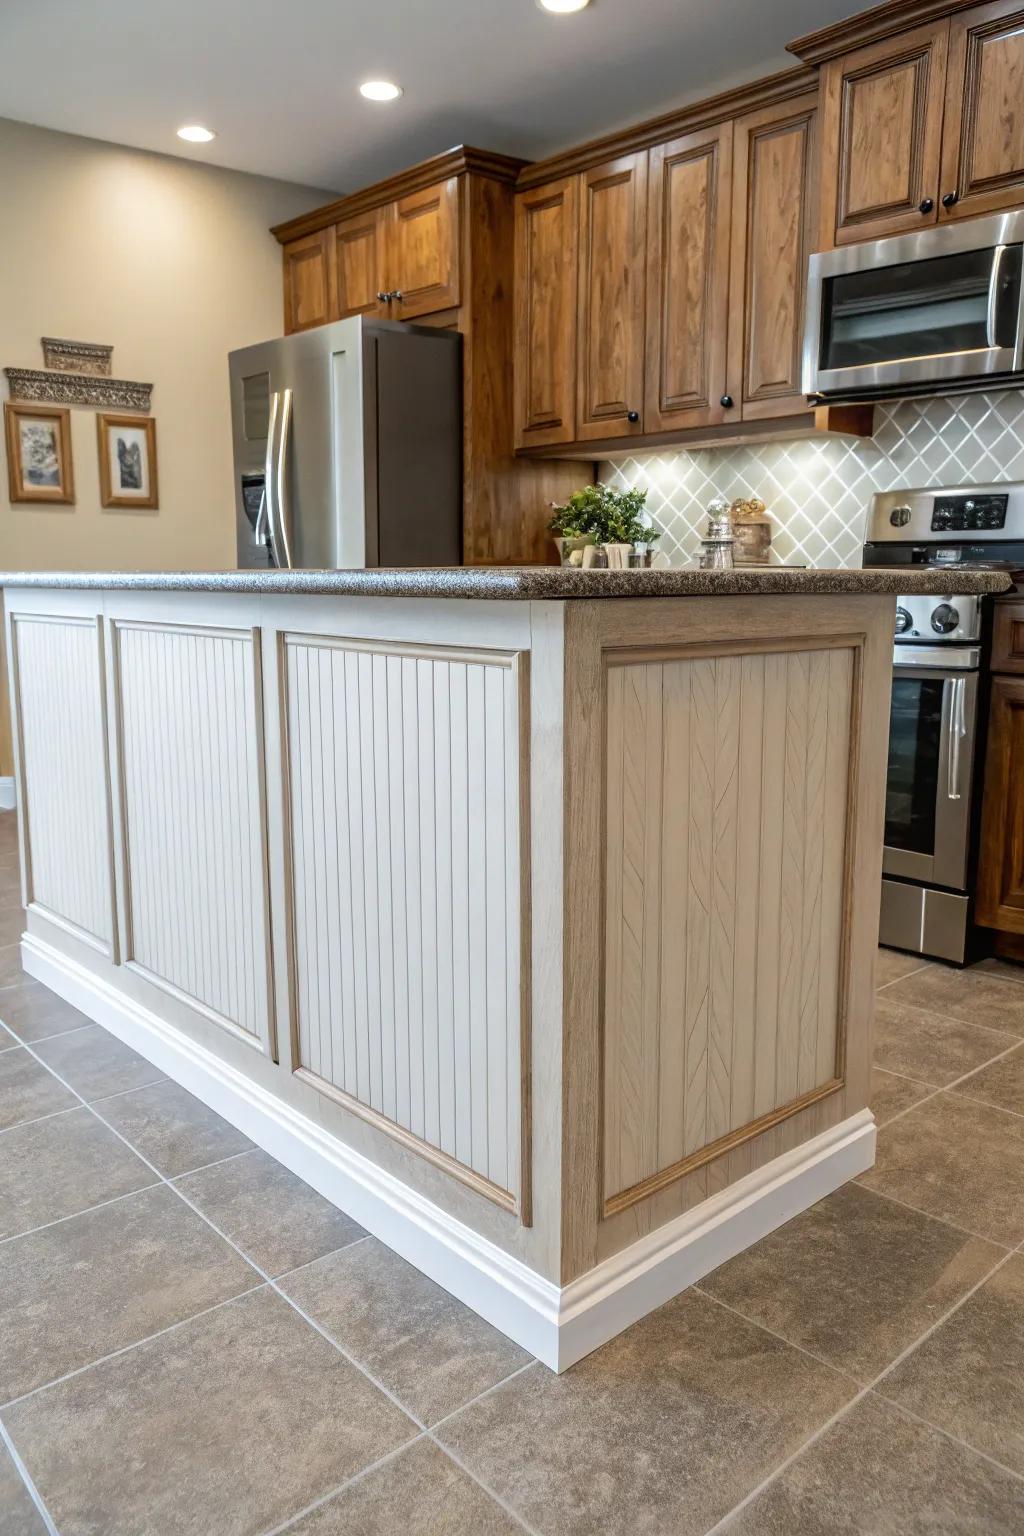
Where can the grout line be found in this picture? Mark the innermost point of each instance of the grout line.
(930, 1215)
(465, 1467)
(86, 1210)
(38, 1119)
(30, 1487)
(481, 1395)
(58, 1034)
(915, 972)
(726, 1306)
(947, 1087)
(297, 1269)
(356, 1477)
(947, 1433)
(952, 1018)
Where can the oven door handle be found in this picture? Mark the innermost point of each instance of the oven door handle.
(991, 314)
(957, 732)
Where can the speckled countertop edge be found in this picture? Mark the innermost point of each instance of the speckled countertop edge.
(528, 582)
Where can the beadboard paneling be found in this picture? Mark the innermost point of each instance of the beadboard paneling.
(727, 802)
(405, 784)
(58, 666)
(190, 751)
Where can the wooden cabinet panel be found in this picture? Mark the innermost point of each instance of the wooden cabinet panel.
(1008, 638)
(546, 262)
(613, 221)
(983, 135)
(423, 251)
(309, 297)
(881, 124)
(1000, 902)
(689, 196)
(360, 270)
(774, 211)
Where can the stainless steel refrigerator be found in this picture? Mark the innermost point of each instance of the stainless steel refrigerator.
(348, 447)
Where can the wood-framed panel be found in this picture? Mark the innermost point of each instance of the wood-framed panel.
(983, 129)
(191, 800)
(546, 300)
(416, 757)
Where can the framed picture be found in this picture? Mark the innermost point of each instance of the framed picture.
(127, 461)
(39, 466)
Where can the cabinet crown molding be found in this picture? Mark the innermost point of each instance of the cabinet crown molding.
(872, 26)
(454, 162)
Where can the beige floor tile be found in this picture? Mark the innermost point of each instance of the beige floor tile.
(95, 1063)
(18, 1514)
(420, 1492)
(958, 1160)
(968, 1376)
(12, 923)
(422, 1344)
(7, 1040)
(223, 1427)
(1001, 1084)
(11, 972)
(928, 1047)
(973, 995)
(1005, 970)
(855, 1279)
(78, 1290)
(891, 1095)
(891, 964)
(276, 1219)
(174, 1130)
(27, 1090)
(877, 1473)
(663, 1430)
(33, 1012)
(55, 1167)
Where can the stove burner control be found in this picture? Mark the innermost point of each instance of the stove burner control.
(945, 618)
(899, 517)
(903, 621)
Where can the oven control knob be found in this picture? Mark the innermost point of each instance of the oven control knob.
(945, 619)
(899, 517)
(903, 621)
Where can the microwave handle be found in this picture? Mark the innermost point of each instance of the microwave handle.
(957, 732)
(992, 314)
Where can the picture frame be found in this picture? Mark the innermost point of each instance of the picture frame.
(40, 468)
(127, 453)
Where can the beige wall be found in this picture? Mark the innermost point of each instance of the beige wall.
(173, 264)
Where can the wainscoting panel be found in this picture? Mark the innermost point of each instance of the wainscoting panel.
(727, 804)
(190, 745)
(58, 666)
(405, 824)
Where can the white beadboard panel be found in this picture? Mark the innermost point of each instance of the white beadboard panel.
(405, 782)
(60, 709)
(190, 748)
(817, 490)
(726, 811)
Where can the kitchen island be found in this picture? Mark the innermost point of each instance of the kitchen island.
(528, 914)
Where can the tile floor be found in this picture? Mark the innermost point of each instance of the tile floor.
(192, 1341)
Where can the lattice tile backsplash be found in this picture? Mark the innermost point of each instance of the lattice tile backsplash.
(818, 492)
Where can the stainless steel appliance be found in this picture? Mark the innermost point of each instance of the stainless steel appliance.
(348, 447)
(915, 314)
(940, 686)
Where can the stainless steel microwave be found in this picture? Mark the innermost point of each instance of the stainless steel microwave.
(917, 314)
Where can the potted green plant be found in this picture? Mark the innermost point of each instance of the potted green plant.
(599, 514)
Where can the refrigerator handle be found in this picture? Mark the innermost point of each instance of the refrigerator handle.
(282, 529)
(267, 505)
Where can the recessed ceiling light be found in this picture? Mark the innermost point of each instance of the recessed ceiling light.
(195, 133)
(563, 7)
(380, 90)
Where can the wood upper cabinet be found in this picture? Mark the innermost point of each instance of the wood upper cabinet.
(546, 266)
(1000, 896)
(881, 126)
(774, 221)
(360, 265)
(423, 251)
(612, 233)
(309, 294)
(689, 206)
(983, 134)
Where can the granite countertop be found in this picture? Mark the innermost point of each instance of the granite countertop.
(531, 582)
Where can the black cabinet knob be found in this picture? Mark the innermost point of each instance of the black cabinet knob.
(383, 296)
(633, 416)
(926, 204)
(726, 401)
(949, 198)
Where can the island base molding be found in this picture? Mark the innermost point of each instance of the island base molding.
(559, 1325)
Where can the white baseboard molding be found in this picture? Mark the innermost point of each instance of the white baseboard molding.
(8, 798)
(558, 1325)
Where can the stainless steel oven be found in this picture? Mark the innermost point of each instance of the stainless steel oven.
(916, 313)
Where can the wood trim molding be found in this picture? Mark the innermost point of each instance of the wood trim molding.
(671, 125)
(816, 421)
(872, 26)
(454, 162)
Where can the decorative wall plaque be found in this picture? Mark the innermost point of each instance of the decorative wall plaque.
(90, 357)
(56, 387)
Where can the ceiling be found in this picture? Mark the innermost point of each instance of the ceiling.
(278, 79)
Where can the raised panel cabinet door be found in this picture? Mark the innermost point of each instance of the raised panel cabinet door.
(613, 225)
(423, 251)
(983, 134)
(688, 216)
(309, 296)
(881, 136)
(359, 265)
(1008, 637)
(773, 222)
(1001, 862)
(546, 263)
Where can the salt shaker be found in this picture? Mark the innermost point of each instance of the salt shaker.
(716, 546)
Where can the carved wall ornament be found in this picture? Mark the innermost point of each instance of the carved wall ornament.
(90, 357)
(56, 387)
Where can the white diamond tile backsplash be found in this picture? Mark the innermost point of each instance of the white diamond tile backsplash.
(818, 491)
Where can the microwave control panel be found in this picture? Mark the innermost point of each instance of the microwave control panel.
(971, 514)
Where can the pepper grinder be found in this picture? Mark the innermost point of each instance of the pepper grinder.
(716, 546)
